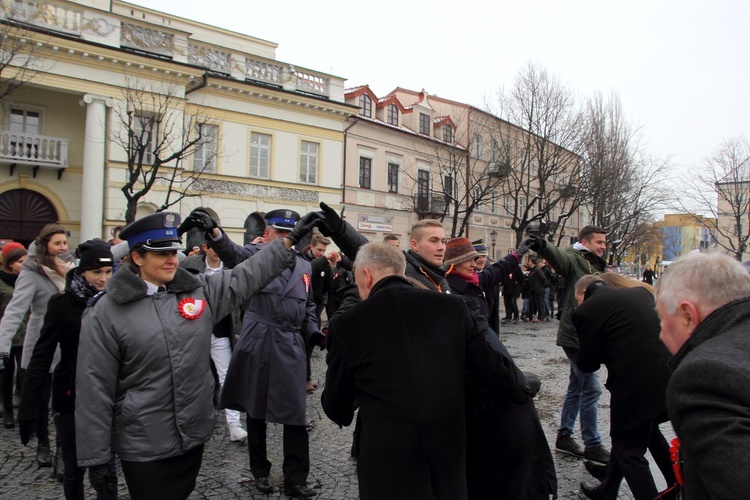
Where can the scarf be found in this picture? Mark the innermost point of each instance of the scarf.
(81, 288)
(472, 278)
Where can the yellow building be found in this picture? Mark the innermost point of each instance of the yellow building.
(272, 132)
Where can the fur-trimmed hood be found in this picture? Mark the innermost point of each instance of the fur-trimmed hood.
(126, 286)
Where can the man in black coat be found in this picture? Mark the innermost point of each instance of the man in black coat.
(387, 352)
(703, 300)
(619, 327)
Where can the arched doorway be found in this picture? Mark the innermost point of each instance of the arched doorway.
(23, 213)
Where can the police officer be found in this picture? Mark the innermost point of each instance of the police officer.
(266, 377)
(143, 370)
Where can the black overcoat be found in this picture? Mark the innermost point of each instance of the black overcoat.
(620, 328)
(404, 354)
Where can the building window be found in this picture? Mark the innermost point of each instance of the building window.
(25, 121)
(508, 203)
(477, 143)
(423, 190)
(145, 130)
(308, 162)
(448, 187)
(424, 124)
(365, 106)
(392, 114)
(493, 203)
(365, 172)
(260, 155)
(393, 177)
(447, 133)
(204, 159)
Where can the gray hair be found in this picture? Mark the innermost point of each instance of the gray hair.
(709, 280)
(382, 258)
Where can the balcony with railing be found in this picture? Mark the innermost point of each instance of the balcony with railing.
(430, 204)
(33, 150)
(49, 15)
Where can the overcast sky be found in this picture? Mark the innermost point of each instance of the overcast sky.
(680, 67)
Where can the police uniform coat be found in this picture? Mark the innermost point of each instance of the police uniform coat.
(268, 371)
(404, 353)
(143, 369)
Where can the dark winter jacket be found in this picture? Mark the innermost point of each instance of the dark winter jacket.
(708, 401)
(143, 371)
(572, 264)
(513, 282)
(266, 376)
(413, 434)
(432, 277)
(620, 328)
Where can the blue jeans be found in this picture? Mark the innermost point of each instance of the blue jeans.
(584, 390)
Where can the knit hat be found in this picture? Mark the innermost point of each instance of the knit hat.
(12, 252)
(458, 251)
(480, 247)
(94, 254)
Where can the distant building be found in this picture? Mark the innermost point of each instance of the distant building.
(685, 233)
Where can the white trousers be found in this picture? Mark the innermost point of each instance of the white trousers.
(221, 354)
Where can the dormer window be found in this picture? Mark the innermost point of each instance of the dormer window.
(447, 133)
(424, 124)
(365, 106)
(392, 114)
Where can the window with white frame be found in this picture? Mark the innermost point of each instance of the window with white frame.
(365, 105)
(477, 143)
(145, 130)
(204, 158)
(448, 187)
(392, 114)
(393, 177)
(365, 172)
(508, 204)
(494, 203)
(260, 155)
(308, 162)
(25, 120)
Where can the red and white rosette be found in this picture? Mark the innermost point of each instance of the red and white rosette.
(306, 280)
(191, 308)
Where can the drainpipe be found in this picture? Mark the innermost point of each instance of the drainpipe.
(468, 164)
(202, 84)
(343, 177)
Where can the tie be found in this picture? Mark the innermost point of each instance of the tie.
(162, 289)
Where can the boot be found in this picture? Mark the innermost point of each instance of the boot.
(43, 457)
(58, 467)
(8, 420)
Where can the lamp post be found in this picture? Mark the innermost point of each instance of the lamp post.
(493, 239)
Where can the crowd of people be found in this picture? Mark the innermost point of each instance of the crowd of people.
(137, 343)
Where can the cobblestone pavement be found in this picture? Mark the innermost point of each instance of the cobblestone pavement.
(225, 473)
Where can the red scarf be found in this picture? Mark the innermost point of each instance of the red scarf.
(472, 278)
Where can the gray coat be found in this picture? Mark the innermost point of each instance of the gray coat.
(708, 401)
(143, 369)
(267, 374)
(33, 291)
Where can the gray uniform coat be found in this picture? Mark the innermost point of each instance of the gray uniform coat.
(267, 374)
(33, 291)
(143, 369)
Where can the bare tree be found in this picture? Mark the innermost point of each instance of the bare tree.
(158, 138)
(20, 58)
(721, 190)
(623, 186)
(541, 162)
(463, 179)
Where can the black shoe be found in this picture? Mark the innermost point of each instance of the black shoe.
(58, 467)
(597, 454)
(300, 490)
(590, 491)
(264, 484)
(567, 444)
(43, 457)
(8, 420)
(596, 470)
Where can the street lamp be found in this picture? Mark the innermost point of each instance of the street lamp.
(493, 239)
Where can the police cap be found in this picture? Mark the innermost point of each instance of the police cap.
(282, 219)
(156, 232)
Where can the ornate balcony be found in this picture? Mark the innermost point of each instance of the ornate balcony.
(56, 17)
(33, 150)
